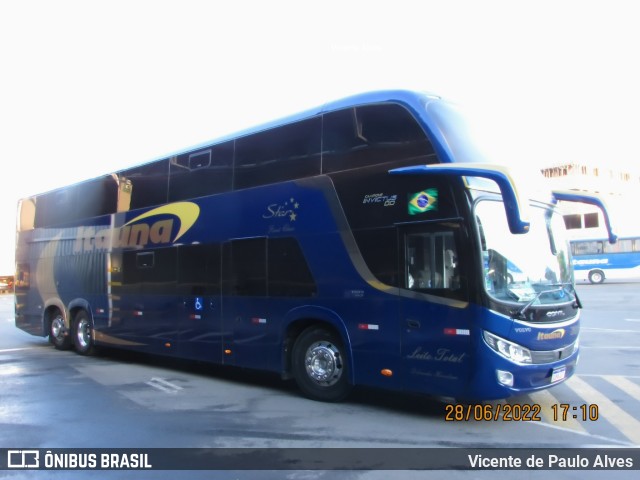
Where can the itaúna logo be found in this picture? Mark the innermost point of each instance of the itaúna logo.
(555, 335)
(157, 226)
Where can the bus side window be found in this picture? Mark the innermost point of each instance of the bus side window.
(23, 277)
(144, 185)
(431, 261)
(199, 269)
(202, 172)
(149, 272)
(371, 135)
(288, 271)
(246, 261)
(283, 153)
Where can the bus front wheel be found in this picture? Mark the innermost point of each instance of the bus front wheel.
(83, 334)
(319, 365)
(596, 276)
(58, 332)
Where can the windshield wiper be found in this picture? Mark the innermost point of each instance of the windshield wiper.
(521, 314)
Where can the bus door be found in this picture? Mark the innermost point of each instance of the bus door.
(143, 299)
(245, 304)
(436, 337)
(200, 325)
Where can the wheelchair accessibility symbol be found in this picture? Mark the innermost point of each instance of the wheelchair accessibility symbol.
(198, 304)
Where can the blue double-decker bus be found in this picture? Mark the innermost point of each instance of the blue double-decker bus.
(366, 242)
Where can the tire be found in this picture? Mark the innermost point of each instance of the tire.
(319, 365)
(596, 276)
(83, 334)
(58, 332)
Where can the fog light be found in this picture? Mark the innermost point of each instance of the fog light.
(505, 378)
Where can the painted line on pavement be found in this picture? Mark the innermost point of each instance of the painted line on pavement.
(9, 350)
(163, 385)
(624, 384)
(625, 423)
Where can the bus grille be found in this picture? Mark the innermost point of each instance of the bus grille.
(550, 356)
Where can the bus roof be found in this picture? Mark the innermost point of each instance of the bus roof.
(415, 101)
(410, 99)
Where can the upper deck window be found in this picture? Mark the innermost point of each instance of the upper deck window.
(71, 204)
(200, 173)
(370, 135)
(147, 185)
(280, 154)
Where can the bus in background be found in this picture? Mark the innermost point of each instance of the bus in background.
(367, 242)
(6, 284)
(596, 259)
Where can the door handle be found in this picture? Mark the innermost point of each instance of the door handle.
(413, 323)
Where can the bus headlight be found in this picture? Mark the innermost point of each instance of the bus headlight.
(514, 352)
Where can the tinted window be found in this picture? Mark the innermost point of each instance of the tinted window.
(289, 275)
(372, 198)
(370, 135)
(88, 199)
(591, 220)
(23, 276)
(55, 208)
(96, 197)
(144, 186)
(573, 221)
(149, 272)
(201, 172)
(283, 153)
(145, 259)
(379, 248)
(248, 267)
(199, 269)
(288, 272)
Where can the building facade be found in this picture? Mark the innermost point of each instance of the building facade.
(620, 189)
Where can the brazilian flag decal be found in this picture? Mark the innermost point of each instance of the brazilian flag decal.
(424, 201)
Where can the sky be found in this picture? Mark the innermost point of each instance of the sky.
(90, 87)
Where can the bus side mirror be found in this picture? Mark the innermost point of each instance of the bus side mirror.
(581, 197)
(515, 207)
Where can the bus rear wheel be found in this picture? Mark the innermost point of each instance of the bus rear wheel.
(596, 276)
(58, 332)
(83, 334)
(319, 365)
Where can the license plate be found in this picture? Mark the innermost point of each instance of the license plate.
(558, 374)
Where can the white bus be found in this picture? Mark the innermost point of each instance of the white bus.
(596, 260)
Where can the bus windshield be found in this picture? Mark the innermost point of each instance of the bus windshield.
(522, 268)
(471, 139)
(467, 143)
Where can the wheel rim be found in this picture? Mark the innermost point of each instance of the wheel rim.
(323, 363)
(596, 277)
(83, 333)
(57, 328)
